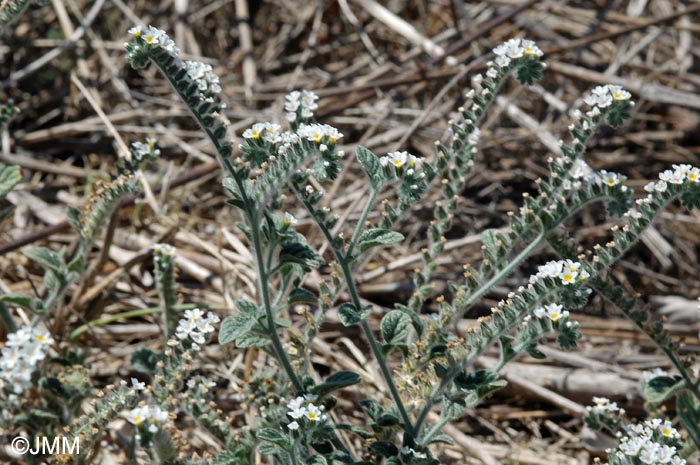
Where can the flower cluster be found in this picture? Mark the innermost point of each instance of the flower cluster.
(604, 414)
(24, 349)
(163, 250)
(678, 175)
(611, 179)
(153, 39)
(203, 75)
(603, 406)
(153, 36)
(568, 271)
(405, 166)
(150, 416)
(269, 132)
(604, 96)
(200, 384)
(653, 442)
(143, 151)
(322, 134)
(196, 325)
(303, 411)
(552, 311)
(513, 49)
(300, 104)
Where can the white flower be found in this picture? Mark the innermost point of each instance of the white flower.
(203, 75)
(474, 136)
(694, 174)
(673, 177)
(293, 426)
(618, 93)
(195, 325)
(530, 48)
(297, 408)
(24, 349)
(164, 250)
(304, 100)
(319, 133)
(267, 131)
(492, 73)
(200, 384)
(314, 414)
(153, 416)
(611, 179)
(136, 385)
(552, 311)
(136, 31)
(289, 219)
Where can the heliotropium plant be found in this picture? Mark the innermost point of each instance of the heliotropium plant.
(428, 366)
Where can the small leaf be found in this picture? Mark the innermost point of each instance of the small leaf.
(385, 448)
(473, 380)
(300, 253)
(271, 435)
(10, 176)
(47, 258)
(336, 381)
(349, 315)
(377, 236)
(387, 419)
(370, 163)
(302, 296)
(395, 327)
(233, 327)
(661, 388)
(251, 340)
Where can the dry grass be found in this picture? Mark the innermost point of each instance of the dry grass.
(385, 86)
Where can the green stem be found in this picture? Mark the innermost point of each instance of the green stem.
(281, 355)
(361, 221)
(7, 318)
(485, 288)
(355, 297)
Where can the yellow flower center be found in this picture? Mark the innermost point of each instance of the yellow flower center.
(256, 133)
(692, 177)
(317, 137)
(138, 420)
(666, 432)
(313, 416)
(150, 39)
(137, 34)
(568, 278)
(555, 316)
(398, 164)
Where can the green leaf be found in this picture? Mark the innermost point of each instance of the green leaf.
(300, 253)
(336, 381)
(74, 217)
(660, 388)
(272, 435)
(370, 163)
(385, 448)
(47, 258)
(349, 315)
(10, 176)
(246, 307)
(233, 327)
(252, 340)
(377, 236)
(302, 296)
(471, 381)
(24, 301)
(529, 71)
(145, 360)
(387, 419)
(395, 327)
